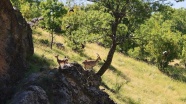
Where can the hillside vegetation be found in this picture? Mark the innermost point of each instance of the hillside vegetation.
(127, 81)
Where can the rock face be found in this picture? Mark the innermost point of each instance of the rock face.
(67, 85)
(15, 46)
(31, 95)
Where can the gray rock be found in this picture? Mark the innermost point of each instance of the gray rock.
(31, 95)
(16, 46)
(71, 84)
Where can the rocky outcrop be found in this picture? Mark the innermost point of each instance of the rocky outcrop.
(15, 46)
(69, 84)
(31, 95)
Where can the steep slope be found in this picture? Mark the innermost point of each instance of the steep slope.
(127, 81)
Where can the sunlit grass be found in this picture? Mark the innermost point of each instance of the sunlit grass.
(140, 82)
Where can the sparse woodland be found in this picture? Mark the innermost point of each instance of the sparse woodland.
(148, 31)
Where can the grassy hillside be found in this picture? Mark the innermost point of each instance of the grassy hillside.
(128, 81)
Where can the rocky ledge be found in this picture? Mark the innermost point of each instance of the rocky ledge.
(69, 84)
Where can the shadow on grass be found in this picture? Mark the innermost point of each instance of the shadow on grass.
(175, 73)
(36, 63)
(183, 99)
(127, 100)
(59, 52)
(107, 87)
(117, 72)
(116, 88)
(85, 55)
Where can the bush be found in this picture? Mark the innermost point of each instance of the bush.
(134, 52)
(44, 41)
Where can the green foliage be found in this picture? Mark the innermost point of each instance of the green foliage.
(52, 11)
(28, 8)
(44, 41)
(164, 31)
(155, 37)
(175, 73)
(135, 53)
(85, 26)
(183, 52)
(179, 21)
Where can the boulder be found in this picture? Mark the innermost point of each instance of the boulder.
(31, 95)
(69, 84)
(15, 46)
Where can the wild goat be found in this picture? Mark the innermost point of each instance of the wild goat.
(64, 61)
(60, 46)
(91, 63)
(35, 21)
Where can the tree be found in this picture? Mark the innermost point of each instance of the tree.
(158, 37)
(52, 11)
(111, 21)
(124, 13)
(183, 52)
(29, 8)
(85, 25)
(128, 14)
(179, 25)
(179, 21)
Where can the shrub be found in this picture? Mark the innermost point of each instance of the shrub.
(44, 41)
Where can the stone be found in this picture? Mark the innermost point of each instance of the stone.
(16, 46)
(68, 85)
(31, 95)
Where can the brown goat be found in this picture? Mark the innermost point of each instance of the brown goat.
(91, 63)
(64, 61)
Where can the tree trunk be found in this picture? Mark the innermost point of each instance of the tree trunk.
(52, 40)
(108, 60)
(110, 55)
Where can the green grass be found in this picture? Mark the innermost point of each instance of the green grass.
(127, 81)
